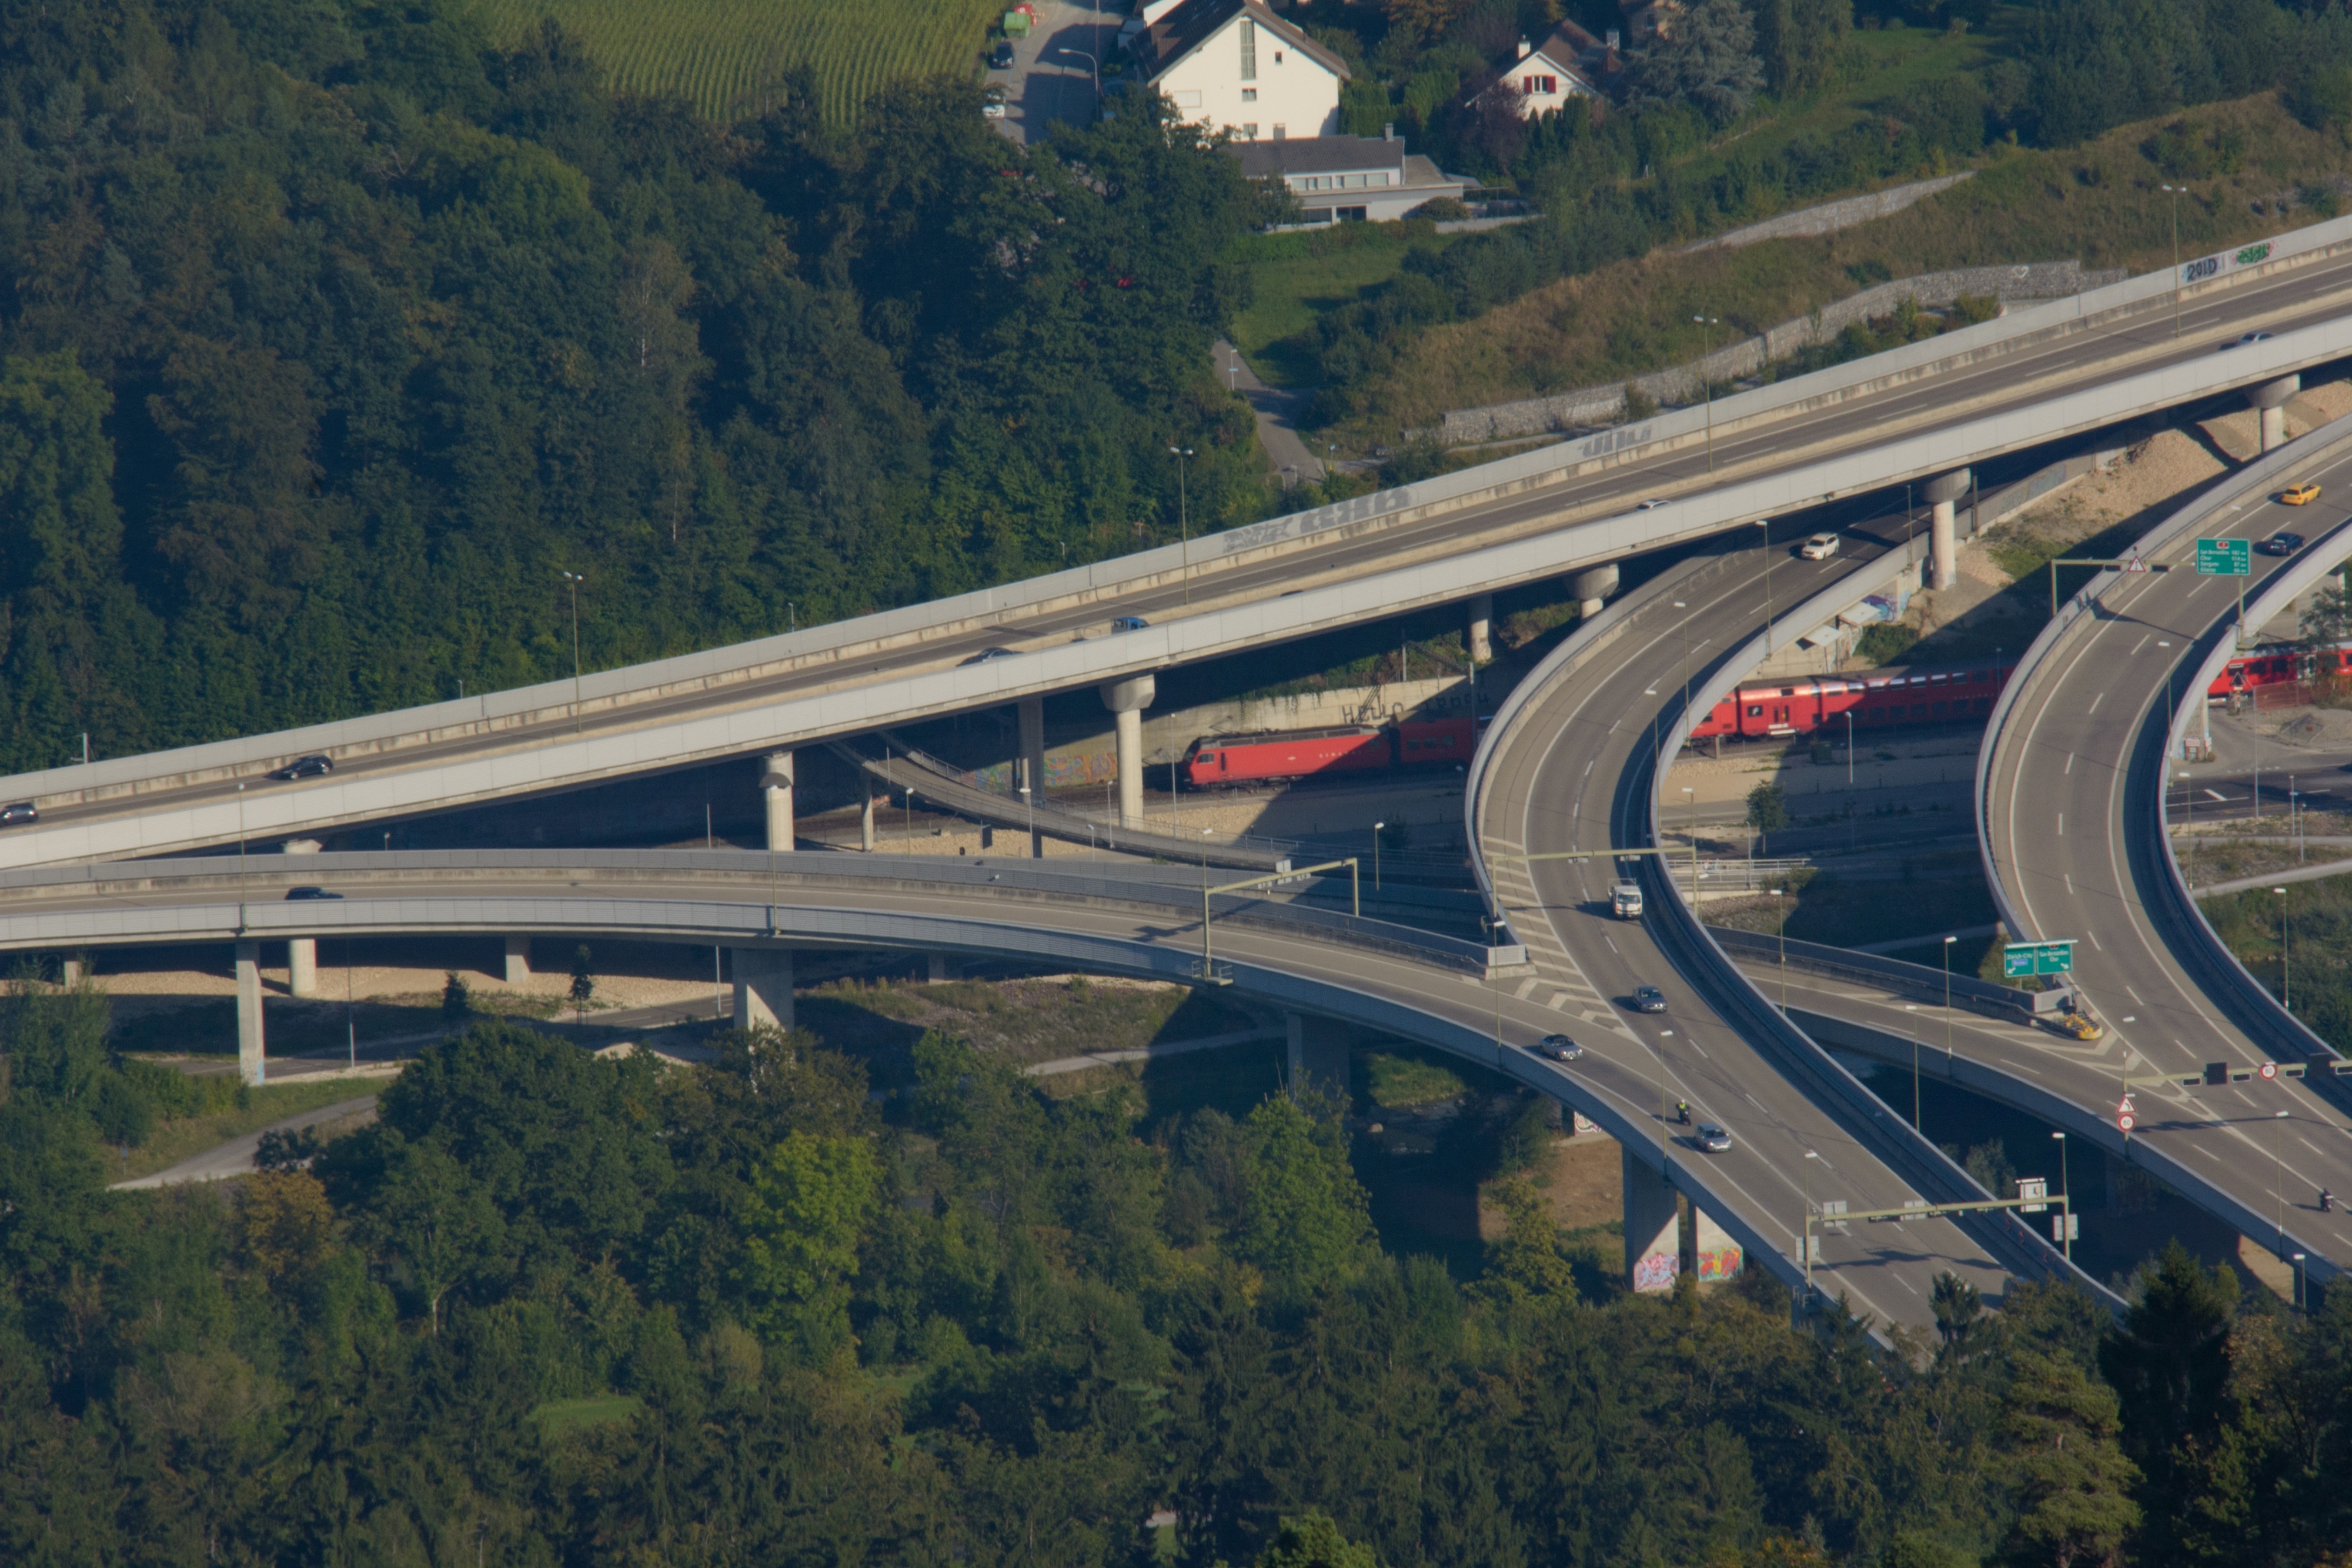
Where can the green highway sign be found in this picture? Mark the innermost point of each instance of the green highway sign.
(2224, 558)
(2019, 960)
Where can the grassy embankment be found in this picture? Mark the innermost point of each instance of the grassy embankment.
(2098, 203)
(730, 57)
(175, 1138)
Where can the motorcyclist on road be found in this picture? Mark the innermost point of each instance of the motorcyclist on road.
(1682, 1111)
(2326, 1201)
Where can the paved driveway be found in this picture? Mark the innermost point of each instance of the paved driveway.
(1045, 84)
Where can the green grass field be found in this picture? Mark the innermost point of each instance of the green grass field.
(1296, 278)
(729, 57)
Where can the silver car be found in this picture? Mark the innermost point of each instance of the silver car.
(1559, 1047)
(1714, 1140)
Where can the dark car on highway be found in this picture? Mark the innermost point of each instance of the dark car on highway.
(1558, 1047)
(1000, 58)
(989, 656)
(310, 767)
(1649, 999)
(308, 894)
(2282, 544)
(22, 811)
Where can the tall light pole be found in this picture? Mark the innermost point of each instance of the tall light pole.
(2066, 1211)
(1708, 385)
(575, 579)
(2176, 192)
(2299, 1291)
(1686, 669)
(910, 821)
(2189, 799)
(1766, 524)
(1664, 1177)
(1183, 521)
(1781, 902)
(240, 858)
(1805, 1245)
(1031, 801)
(2278, 1160)
(1376, 855)
(2286, 991)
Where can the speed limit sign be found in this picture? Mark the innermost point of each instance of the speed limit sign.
(2126, 1121)
(2269, 1071)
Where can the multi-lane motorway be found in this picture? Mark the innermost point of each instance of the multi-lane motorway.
(1386, 553)
(2070, 822)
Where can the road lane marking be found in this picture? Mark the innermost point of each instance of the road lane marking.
(2097, 700)
(2061, 824)
(2070, 764)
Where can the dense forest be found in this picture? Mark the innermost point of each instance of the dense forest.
(554, 1308)
(331, 338)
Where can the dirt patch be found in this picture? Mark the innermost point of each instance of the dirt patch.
(1581, 1180)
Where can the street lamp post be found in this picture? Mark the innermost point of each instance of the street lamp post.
(1094, 67)
(1781, 905)
(1806, 1245)
(2189, 799)
(1377, 827)
(240, 858)
(1706, 383)
(575, 579)
(1664, 1177)
(2299, 1291)
(910, 821)
(1766, 524)
(2176, 192)
(2066, 1210)
(1031, 802)
(1183, 521)
(1911, 1028)
(1948, 1032)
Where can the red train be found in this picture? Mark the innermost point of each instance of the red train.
(2280, 664)
(1878, 699)
(1221, 761)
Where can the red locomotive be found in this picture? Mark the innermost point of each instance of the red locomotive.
(2278, 665)
(1221, 761)
(1878, 699)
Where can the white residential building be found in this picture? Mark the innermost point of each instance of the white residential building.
(1551, 75)
(1233, 65)
(1348, 179)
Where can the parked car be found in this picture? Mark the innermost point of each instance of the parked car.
(2299, 495)
(22, 811)
(1128, 624)
(308, 894)
(987, 655)
(1821, 546)
(2281, 543)
(311, 767)
(1714, 1140)
(1649, 999)
(991, 101)
(1559, 1047)
(1000, 58)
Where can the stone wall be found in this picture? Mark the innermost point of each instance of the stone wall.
(1831, 216)
(1587, 407)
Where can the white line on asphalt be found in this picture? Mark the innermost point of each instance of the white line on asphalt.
(2140, 999)
(2070, 763)
(2069, 878)
(2214, 794)
(2061, 824)
(1612, 943)
(2136, 648)
(2094, 939)
(2097, 700)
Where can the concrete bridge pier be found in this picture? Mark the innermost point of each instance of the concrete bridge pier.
(301, 951)
(517, 960)
(1033, 763)
(1482, 628)
(763, 986)
(1944, 492)
(1592, 588)
(2269, 403)
(776, 785)
(865, 818)
(250, 1068)
(1654, 1227)
(1126, 700)
(1318, 1055)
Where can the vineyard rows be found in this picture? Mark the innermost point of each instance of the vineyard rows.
(727, 57)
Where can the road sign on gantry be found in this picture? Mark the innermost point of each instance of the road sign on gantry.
(2224, 558)
(2021, 958)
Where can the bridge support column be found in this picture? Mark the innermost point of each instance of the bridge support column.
(517, 960)
(2269, 403)
(1316, 1060)
(1653, 1247)
(301, 951)
(1592, 588)
(250, 1068)
(865, 818)
(763, 986)
(70, 972)
(1033, 762)
(1126, 700)
(1714, 1256)
(1944, 492)
(776, 785)
(1482, 628)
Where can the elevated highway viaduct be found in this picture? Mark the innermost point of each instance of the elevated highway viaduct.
(1925, 412)
(763, 907)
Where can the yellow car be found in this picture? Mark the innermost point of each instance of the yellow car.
(2299, 495)
(2077, 1025)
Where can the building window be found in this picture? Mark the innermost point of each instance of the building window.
(1278, 131)
(1249, 94)
(1249, 50)
(1350, 214)
(1380, 179)
(1249, 132)
(1187, 98)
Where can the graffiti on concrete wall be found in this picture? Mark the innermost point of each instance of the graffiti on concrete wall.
(1656, 1271)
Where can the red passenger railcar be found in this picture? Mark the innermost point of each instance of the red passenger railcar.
(1221, 761)
(2280, 664)
(1876, 699)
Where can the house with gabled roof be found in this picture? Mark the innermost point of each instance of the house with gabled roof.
(1569, 64)
(1233, 65)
